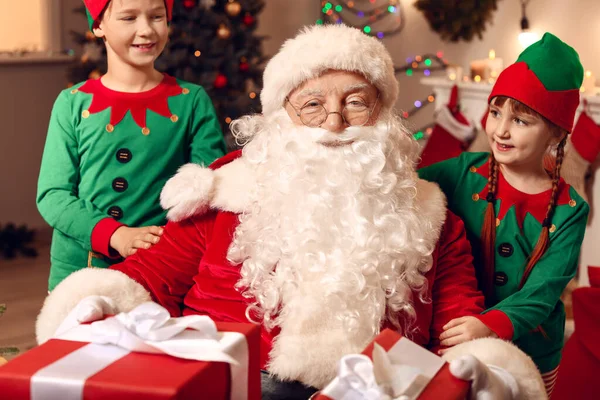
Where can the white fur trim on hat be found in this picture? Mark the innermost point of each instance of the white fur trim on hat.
(322, 47)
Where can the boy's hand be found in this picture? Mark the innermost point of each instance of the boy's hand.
(127, 240)
(463, 329)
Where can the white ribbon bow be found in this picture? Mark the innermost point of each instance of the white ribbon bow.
(386, 377)
(148, 328)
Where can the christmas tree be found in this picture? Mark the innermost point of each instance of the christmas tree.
(212, 43)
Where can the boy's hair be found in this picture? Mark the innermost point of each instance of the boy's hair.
(488, 230)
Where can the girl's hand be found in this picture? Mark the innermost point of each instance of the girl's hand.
(127, 240)
(463, 329)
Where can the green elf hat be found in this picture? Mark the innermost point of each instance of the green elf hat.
(94, 8)
(546, 77)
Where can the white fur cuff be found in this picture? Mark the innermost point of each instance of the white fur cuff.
(507, 356)
(188, 192)
(196, 189)
(124, 291)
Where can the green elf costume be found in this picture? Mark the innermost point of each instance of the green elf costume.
(525, 309)
(107, 156)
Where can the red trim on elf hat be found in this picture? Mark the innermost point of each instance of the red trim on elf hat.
(95, 7)
(520, 83)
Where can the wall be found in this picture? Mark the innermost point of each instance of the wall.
(28, 91)
(577, 22)
(20, 26)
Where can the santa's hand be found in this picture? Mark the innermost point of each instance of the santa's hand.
(91, 308)
(488, 381)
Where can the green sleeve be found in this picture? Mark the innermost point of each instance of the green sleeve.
(207, 143)
(445, 173)
(57, 193)
(532, 305)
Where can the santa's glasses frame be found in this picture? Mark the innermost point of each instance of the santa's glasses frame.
(314, 115)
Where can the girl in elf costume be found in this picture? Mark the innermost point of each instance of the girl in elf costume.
(525, 224)
(114, 141)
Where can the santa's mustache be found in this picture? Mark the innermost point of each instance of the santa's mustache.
(337, 139)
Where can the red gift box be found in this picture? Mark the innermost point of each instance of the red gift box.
(138, 376)
(443, 385)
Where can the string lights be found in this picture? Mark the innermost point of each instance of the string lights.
(374, 17)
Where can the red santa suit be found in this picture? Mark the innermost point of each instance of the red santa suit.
(187, 272)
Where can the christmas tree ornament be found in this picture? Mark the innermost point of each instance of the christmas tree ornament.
(223, 32)
(207, 4)
(89, 35)
(248, 19)
(95, 74)
(220, 81)
(233, 8)
(244, 67)
(189, 4)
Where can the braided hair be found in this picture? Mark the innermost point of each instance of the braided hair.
(488, 230)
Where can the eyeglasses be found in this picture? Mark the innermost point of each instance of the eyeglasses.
(355, 113)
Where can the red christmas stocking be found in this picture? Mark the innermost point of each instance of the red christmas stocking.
(581, 151)
(450, 136)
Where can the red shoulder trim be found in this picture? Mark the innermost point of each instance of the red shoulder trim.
(226, 159)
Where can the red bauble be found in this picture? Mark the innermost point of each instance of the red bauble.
(189, 3)
(220, 81)
(244, 67)
(248, 19)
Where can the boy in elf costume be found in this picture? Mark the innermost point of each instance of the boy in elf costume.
(114, 141)
(525, 224)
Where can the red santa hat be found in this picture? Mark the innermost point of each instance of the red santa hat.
(323, 47)
(94, 9)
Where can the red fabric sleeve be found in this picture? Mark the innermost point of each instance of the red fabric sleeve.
(454, 291)
(168, 268)
(101, 235)
(498, 322)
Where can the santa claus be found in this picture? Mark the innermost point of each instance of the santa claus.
(319, 230)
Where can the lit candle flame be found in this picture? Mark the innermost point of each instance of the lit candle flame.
(492, 54)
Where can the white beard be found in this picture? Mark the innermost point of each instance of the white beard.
(333, 244)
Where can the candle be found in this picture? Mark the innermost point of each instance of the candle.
(589, 82)
(486, 69)
(454, 72)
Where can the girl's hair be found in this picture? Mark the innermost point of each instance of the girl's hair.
(488, 230)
